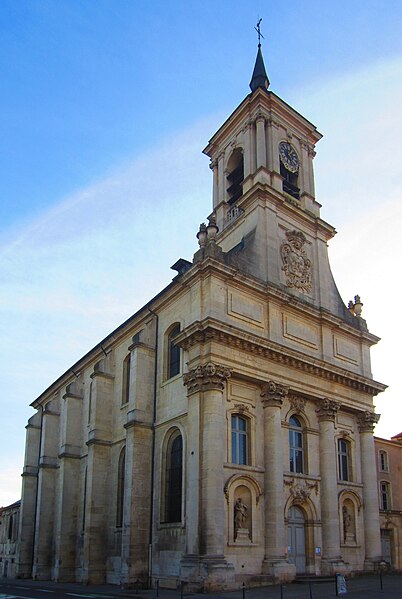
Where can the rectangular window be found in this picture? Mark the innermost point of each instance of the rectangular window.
(385, 496)
(383, 459)
(239, 440)
(343, 460)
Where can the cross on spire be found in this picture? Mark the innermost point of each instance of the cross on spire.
(258, 30)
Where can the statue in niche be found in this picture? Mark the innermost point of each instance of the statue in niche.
(348, 526)
(240, 514)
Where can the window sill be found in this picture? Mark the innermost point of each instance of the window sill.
(244, 467)
(172, 379)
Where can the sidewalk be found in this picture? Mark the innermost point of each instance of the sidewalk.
(358, 588)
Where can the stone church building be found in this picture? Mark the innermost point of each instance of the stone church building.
(224, 432)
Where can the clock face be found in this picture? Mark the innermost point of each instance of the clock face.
(288, 156)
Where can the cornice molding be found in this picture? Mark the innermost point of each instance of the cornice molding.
(206, 331)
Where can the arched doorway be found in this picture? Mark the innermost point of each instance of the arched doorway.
(296, 539)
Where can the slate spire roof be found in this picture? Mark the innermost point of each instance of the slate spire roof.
(259, 77)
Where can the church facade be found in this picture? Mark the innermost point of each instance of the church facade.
(224, 433)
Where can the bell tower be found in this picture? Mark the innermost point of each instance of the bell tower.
(264, 201)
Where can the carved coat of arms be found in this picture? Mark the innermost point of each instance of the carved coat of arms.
(295, 264)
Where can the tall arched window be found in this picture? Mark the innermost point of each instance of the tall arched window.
(173, 353)
(385, 496)
(240, 439)
(120, 488)
(126, 379)
(235, 177)
(173, 478)
(383, 460)
(296, 457)
(344, 468)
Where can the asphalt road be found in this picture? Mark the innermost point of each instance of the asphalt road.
(357, 588)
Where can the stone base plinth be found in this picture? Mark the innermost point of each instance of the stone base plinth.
(280, 569)
(330, 567)
(242, 536)
(207, 574)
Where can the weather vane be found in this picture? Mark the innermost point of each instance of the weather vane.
(258, 30)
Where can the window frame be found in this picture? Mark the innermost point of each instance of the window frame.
(126, 374)
(173, 487)
(121, 479)
(173, 352)
(385, 492)
(344, 460)
(239, 440)
(297, 453)
(383, 464)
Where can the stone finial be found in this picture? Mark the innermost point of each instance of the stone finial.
(367, 421)
(356, 306)
(205, 377)
(212, 228)
(327, 409)
(273, 394)
(202, 235)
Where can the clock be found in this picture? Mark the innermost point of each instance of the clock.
(289, 157)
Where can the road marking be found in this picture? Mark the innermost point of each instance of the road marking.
(45, 591)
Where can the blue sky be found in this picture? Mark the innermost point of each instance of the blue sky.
(105, 109)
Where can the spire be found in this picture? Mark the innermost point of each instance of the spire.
(259, 77)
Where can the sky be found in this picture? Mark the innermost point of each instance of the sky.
(105, 108)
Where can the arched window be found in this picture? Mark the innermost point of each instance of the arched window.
(10, 527)
(344, 468)
(120, 488)
(235, 177)
(126, 379)
(173, 478)
(173, 353)
(240, 439)
(383, 461)
(296, 457)
(385, 496)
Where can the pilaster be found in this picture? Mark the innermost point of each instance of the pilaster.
(366, 422)
(331, 552)
(66, 524)
(275, 562)
(98, 469)
(47, 479)
(28, 498)
(205, 385)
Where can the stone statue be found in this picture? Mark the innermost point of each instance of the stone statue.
(240, 514)
(347, 525)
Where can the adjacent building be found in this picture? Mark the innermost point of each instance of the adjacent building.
(9, 523)
(389, 474)
(224, 433)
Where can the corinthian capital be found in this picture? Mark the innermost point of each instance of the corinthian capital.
(367, 421)
(273, 394)
(205, 377)
(327, 409)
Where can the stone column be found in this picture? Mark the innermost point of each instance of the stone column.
(98, 471)
(261, 148)
(275, 562)
(206, 383)
(47, 478)
(366, 423)
(221, 178)
(215, 192)
(66, 524)
(331, 552)
(273, 154)
(28, 499)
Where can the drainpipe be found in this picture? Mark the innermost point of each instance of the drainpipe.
(151, 518)
(37, 490)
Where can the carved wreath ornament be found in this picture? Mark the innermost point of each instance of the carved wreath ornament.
(295, 264)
